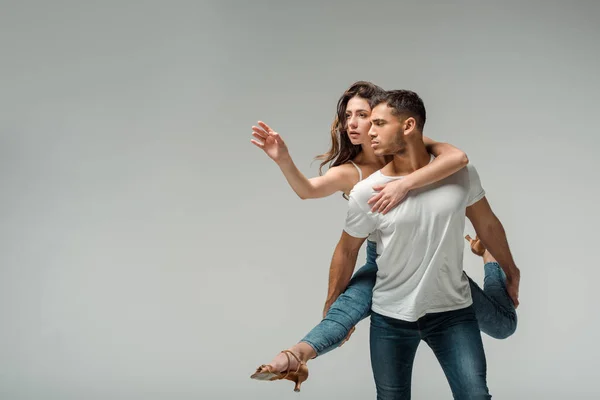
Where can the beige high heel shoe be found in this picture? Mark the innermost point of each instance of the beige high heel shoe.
(265, 372)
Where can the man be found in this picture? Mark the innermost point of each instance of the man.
(421, 292)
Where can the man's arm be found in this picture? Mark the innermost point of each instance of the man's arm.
(342, 265)
(492, 235)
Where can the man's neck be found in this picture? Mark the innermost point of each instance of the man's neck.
(413, 157)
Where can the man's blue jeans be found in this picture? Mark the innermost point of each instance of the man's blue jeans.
(455, 340)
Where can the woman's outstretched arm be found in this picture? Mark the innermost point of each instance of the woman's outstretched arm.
(336, 179)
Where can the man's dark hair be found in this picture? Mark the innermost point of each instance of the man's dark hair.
(404, 104)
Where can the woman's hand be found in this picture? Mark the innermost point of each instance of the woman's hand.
(389, 196)
(270, 142)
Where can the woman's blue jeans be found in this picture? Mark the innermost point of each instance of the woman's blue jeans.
(494, 310)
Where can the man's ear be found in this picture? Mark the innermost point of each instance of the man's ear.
(410, 126)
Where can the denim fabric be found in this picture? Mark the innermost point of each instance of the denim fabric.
(494, 310)
(455, 340)
(350, 308)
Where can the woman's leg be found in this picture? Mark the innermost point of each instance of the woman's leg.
(494, 309)
(350, 308)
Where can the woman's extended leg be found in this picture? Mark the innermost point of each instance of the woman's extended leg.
(350, 308)
(494, 309)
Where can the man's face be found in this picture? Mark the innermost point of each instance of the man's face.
(387, 132)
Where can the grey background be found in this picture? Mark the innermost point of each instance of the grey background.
(149, 251)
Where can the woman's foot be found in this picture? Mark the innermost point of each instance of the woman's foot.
(289, 364)
(479, 249)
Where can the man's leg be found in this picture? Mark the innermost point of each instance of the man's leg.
(393, 347)
(455, 339)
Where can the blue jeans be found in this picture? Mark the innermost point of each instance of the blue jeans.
(455, 340)
(494, 310)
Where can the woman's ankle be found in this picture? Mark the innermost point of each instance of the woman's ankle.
(488, 258)
(304, 351)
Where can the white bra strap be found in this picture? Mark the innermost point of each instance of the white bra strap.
(358, 169)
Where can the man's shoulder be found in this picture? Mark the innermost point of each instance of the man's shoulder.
(470, 168)
(363, 190)
(472, 174)
(462, 176)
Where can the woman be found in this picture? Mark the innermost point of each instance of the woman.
(351, 158)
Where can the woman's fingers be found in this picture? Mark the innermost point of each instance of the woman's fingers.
(379, 205)
(384, 204)
(260, 131)
(259, 137)
(265, 127)
(390, 205)
(375, 198)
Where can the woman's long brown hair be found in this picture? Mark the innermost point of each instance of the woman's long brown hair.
(342, 150)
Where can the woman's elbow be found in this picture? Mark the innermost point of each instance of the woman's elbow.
(313, 193)
(306, 195)
(463, 159)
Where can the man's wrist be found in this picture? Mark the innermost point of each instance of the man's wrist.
(512, 272)
(332, 297)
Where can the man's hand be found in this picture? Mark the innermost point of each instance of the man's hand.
(512, 286)
(492, 235)
(342, 265)
(348, 337)
(326, 310)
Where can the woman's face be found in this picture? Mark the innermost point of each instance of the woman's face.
(358, 120)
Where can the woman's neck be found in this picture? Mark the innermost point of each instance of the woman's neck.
(367, 156)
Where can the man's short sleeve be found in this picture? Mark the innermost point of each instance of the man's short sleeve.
(360, 222)
(476, 191)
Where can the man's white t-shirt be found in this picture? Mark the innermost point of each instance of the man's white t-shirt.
(419, 244)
